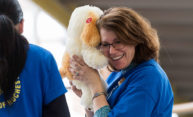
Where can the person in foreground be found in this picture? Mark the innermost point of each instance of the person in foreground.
(137, 85)
(30, 83)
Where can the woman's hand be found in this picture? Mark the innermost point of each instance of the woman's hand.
(75, 90)
(91, 78)
(86, 74)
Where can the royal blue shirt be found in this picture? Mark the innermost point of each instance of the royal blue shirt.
(39, 84)
(145, 92)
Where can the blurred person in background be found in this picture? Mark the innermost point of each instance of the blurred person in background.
(30, 84)
(137, 85)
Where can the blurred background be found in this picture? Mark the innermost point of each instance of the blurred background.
(46, 22)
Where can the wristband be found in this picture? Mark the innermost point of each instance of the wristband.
(98, 94)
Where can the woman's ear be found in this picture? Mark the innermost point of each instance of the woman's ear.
(19, 27)
(90, 34)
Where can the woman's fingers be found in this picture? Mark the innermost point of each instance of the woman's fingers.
(75, 90)
(78, 60)
(76, 67)
(71, 83)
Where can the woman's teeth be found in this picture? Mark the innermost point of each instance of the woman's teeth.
(117, 58)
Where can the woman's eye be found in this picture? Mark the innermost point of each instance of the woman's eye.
(117, 42)
(105, 45)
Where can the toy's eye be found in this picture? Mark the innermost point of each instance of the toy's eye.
(89, 20)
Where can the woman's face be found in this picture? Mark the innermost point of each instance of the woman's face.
(119, 55)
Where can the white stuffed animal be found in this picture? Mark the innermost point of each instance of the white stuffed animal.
(83, 40)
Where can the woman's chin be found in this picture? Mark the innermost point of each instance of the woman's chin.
(120, 67)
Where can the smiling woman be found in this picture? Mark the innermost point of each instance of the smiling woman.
(137, 80)
(119, 54)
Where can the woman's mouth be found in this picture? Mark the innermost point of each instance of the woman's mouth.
(117, 57)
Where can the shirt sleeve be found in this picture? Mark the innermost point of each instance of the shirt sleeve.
(102, 112)
(56, 108)
(53, 84)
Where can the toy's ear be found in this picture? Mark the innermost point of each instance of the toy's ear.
(90, 34)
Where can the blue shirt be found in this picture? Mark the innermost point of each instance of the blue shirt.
(145, 92)
(38, 84)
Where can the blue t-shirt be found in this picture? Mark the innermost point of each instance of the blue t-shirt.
(38, 84)
(145, 92)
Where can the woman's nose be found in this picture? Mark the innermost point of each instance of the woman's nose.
(112, 50)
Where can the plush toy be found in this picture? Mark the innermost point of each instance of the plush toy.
(83, 40)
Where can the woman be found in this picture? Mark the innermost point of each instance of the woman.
(137, 86)
(30, 84)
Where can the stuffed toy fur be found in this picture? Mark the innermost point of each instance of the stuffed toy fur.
(83, 40)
